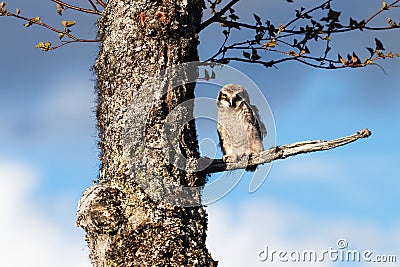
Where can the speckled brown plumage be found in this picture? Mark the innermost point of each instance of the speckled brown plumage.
(240, 128)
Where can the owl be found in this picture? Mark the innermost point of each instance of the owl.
(240, 129)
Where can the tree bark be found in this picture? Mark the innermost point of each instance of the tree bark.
(127, 220)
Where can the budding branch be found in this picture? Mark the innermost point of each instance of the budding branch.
(284, 151)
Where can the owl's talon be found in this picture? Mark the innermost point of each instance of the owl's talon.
(246, 156)
(227, 158)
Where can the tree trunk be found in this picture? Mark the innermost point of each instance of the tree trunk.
(131, 216)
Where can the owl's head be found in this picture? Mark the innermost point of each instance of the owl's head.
(232, 95)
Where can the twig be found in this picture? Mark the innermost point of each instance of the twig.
(90, 11)
(75, 41)
(264, 63)
(333, 64)
(222, 49)
(93, 5)
(41, 23)
(216, 16)
(282, 152)
(307, 12)
(380, 11)
(73, 38)
(101, 3)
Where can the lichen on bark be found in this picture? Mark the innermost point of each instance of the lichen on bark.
(140, 39)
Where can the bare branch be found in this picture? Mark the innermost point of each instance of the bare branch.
(282, 152)
(216, 16)
(90, 11)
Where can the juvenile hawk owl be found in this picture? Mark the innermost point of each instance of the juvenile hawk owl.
(240, 129)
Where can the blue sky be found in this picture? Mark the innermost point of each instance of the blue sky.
(48, 152)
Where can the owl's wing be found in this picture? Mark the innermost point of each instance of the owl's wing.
(221, 134)
(252, 117)
(261, 125)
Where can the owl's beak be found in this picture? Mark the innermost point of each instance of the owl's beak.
(231, 101)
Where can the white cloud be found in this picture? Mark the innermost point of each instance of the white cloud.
(28, 237)
(235, 236)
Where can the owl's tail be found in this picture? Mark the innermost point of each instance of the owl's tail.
(252, 168)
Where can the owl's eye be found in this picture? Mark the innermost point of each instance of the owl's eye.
(224, 96)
